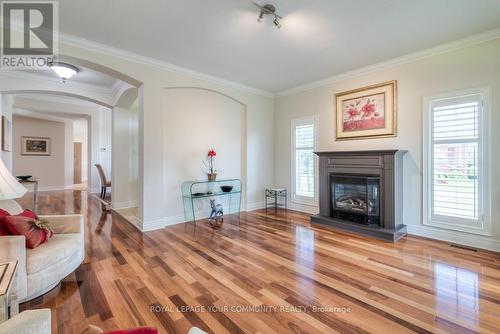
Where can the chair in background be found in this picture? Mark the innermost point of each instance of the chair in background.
(105, 184)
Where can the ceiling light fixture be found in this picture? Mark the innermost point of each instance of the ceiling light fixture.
(63, 70)
(269, 10)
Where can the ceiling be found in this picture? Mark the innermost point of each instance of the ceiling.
(42, 98)
(85, 76)
(319, 38)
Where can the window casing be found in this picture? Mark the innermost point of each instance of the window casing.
(456, 161)
(304, 161)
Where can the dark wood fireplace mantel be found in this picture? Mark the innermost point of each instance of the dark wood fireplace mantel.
(385, 164)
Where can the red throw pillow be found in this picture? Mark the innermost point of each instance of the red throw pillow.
(3, 228)
(34, 230)
(142, 330)
(28, 213)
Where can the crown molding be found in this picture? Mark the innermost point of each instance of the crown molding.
(89, 89)
(133, 57)
(79, 42)
(56, 99)
(409, 58)
(40, 115)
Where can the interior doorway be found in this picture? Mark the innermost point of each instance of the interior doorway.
(77, 163)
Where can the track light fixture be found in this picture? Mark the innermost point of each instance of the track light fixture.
(269, 10)
(277, 22)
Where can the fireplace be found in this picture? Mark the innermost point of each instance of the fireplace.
(355, 198)
(362, 192)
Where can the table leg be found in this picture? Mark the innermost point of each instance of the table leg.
(35, 197)
(14, 304)
(4, 308)
(266, 201)
(192, 208)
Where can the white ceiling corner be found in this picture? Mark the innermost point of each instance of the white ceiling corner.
(440, 49)
(220, 40)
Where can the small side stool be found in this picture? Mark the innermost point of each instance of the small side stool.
(273, 197)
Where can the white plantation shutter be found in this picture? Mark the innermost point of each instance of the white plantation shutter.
(304, 159)
(455, 154)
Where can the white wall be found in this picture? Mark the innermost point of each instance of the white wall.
(125, 157)
(194, 121)
(93, 112)
(105, 140)
(80, 135)
(6, 102)
(471, 67)
(155, 77)
(49, 170)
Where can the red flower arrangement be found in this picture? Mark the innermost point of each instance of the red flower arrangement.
(209, 164)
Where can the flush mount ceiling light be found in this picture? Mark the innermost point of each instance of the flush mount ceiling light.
(269, 10)
(63, 70)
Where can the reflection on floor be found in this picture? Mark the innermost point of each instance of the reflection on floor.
(130, 214)
(457, 286)
(268, 272)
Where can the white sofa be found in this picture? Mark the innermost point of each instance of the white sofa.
(41, 269)
(28, 322)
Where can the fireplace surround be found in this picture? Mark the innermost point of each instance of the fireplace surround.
(361, 191)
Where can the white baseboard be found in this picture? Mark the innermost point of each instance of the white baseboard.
(418, 230)
(153, 224)
(255, 206)
(455, 237)
(179, 219)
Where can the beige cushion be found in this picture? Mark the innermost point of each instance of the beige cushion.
(57, 249)
(28, 322)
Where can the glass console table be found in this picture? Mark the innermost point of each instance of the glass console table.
(192, 191)
(8, 296)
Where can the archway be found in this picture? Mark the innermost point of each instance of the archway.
(213, 119)
(124, 95)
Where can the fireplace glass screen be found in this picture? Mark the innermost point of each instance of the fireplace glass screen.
(356, 198)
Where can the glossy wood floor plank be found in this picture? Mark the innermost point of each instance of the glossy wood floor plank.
(267, 273)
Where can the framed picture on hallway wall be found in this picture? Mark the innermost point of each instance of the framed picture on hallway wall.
(35, 146)
(368, 112)
(6, 135)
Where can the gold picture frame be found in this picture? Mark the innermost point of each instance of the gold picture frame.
(366, 113)
(35, 146)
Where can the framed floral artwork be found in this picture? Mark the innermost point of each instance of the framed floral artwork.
(368, 112)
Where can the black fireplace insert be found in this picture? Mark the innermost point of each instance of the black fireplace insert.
(355, 198)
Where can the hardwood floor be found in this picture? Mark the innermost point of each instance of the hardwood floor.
(272, 273)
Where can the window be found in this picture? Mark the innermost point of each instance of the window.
(304, 160)
(456, 166)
